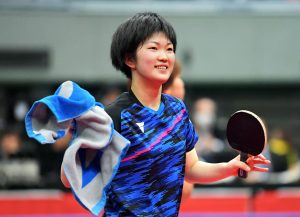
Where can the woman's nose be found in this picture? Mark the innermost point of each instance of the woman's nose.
(163, 56)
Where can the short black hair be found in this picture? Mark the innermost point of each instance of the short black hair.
(132, 33)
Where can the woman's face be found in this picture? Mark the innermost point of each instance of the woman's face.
(155, 59)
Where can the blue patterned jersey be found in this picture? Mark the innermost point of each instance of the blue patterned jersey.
(150, 177)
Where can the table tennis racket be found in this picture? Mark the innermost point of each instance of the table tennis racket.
(246, 133)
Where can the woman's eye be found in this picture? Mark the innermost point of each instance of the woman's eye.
(170, 49)
(153, 48)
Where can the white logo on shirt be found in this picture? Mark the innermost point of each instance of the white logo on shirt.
(141, 126)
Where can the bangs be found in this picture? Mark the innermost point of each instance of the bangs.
(151, 25)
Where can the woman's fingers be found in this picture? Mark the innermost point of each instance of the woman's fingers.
(260, 159)
(260, 169)
(252, 161)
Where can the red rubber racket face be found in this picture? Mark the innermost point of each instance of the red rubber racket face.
(246, 132)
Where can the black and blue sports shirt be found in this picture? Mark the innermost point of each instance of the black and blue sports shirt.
(150, 177)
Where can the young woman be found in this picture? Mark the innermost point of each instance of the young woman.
(150, 177)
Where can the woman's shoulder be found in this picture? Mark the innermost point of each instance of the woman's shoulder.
(115, 108)
(169, 99)
(122, 100)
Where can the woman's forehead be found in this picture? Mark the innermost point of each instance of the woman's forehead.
(158, 37)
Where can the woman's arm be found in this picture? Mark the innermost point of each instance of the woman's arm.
(201, 172)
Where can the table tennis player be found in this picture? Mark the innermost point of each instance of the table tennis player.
(161, 155)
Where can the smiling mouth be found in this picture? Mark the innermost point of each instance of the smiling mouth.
(161, 67)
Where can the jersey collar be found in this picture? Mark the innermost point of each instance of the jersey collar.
(160, 109)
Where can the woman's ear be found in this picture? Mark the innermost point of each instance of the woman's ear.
(130, 62)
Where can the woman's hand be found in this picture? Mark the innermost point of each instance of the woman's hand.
(251, 165)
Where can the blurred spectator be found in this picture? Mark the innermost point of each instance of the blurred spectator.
(282, 152)
(18, 165)
(110, 95)
(175, 85)
(10, 145)
(285, 167)
(209, 147)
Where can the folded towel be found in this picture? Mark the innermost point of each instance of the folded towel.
(93, 157)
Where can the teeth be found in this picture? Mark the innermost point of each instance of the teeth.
(161, 67)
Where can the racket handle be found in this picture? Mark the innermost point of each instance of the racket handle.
(243, 173)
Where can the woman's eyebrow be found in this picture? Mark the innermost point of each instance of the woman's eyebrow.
(155, 42)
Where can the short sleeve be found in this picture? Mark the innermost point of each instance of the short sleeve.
(191, 136)
(190, 133)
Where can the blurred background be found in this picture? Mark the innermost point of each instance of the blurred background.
(234, 54)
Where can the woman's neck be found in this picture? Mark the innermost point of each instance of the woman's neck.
(147, 93)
